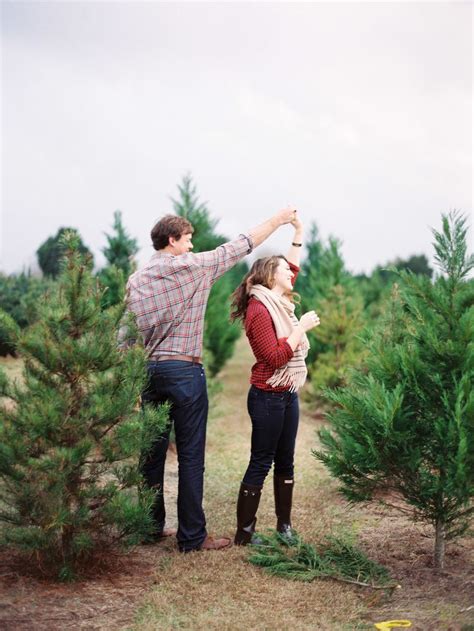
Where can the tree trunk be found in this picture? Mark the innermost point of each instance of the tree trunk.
(440, 544)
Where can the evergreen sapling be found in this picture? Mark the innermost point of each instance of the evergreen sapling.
(403, 431)
(71, 432)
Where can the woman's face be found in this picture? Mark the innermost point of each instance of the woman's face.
(282, 281)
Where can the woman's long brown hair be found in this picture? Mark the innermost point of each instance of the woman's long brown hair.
(262, 272)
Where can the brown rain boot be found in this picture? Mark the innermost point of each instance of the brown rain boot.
(247, 505)
(283, 489)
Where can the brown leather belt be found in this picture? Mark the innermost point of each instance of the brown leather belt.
(181, 358)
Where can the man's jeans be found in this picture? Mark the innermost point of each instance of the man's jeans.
(274, 426)
(184, 385)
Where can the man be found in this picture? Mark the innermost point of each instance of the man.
(168, 297)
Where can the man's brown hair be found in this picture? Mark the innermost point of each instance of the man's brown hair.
(169, 226)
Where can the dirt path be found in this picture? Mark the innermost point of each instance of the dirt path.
(155, 587)
(222, 591)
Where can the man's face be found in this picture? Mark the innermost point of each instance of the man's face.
(183, 244)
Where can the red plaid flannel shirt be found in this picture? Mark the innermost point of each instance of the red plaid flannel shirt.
(270, 352)
(169, 295)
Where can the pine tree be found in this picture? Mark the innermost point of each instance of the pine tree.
(71, 434)
(20, 294)
(405, 430)
(119, 253)
(341, 326)
(375, 292)
(376, 288)
(188, 206)
(52, 251)
(322, 269)
(219, 335)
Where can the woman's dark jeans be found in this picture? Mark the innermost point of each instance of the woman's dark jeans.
(274, 418)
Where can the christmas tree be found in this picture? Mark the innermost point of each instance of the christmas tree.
(404, 430)
(322, 269)
(71, 432)
(119, 253)
(219, 334)
(341, 326)
(51, 252)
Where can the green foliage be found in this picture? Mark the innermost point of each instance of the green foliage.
(119, 253)
(322, 269)
(20, 294)
(188, 206)
(9, 332)
(113, 280)
(71, 433)
(417, 264)
(335, 559)
(121, 248)
(219, 335)
(375, 292)
(339, 334)
(405, 428)
(376, 287)
(52, 251)
(326, 286)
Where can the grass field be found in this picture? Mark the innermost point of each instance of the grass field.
(155, 587)
(221, 590)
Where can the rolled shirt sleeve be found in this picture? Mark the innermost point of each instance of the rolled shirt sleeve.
(225, 256)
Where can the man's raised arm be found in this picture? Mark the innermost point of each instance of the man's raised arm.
(225, 256)
(264, 230)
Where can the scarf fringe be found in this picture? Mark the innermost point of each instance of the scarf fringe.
(282, 377)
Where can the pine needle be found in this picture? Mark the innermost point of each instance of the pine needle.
(335, 559)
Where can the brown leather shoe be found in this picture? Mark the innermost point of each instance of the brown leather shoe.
(167, 532)
(210, 543)
(159, 536)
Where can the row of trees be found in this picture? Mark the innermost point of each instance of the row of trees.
(219, 335)
(20, 293)
(402, 419)
(347, 303)
(72, 433)
(393, 362)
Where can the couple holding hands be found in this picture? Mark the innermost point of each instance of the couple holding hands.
(168, 297)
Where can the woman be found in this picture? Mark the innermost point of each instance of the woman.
(264, 301)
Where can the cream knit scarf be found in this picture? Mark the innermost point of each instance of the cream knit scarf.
(282, 312)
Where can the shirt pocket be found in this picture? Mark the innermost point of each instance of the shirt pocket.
(180, 386)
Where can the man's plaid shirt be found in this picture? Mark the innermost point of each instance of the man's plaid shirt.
(169, 295)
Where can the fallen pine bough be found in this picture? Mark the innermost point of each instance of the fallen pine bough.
(335, 559)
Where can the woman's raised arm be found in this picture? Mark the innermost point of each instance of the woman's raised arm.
(294, 253)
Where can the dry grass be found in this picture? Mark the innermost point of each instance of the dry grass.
(156, 588)
(221, 590)
(12, 366)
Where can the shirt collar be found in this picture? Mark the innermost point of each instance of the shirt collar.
(160, 254)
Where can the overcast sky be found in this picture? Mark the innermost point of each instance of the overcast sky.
(358, 113)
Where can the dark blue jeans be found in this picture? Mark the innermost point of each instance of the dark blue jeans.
(183, 384)
(274, 418)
